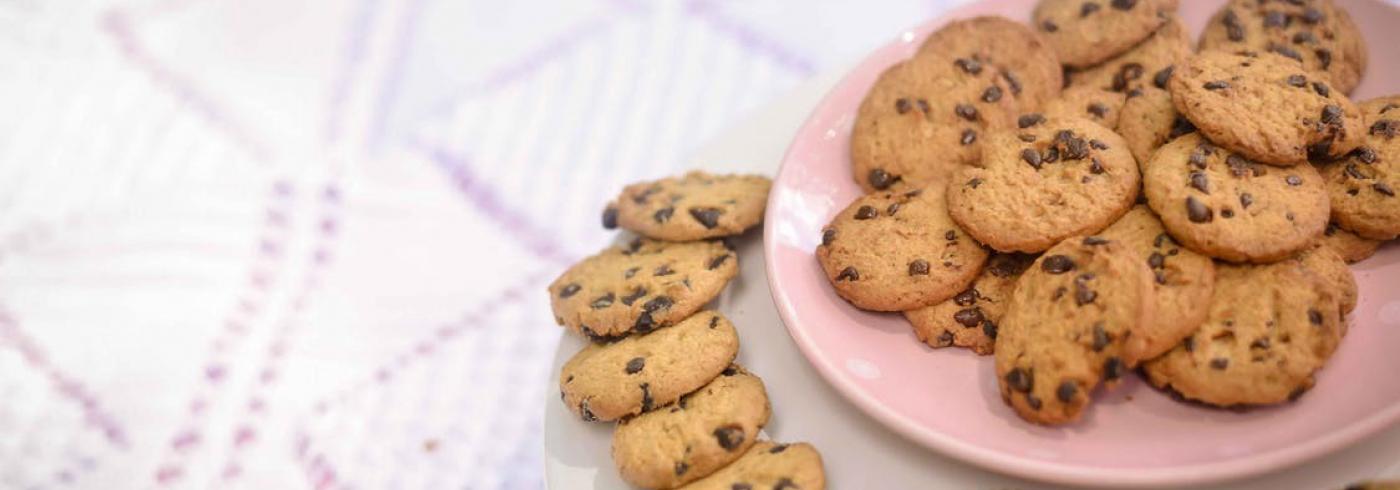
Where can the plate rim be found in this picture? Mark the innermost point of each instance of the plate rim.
(1009, 463)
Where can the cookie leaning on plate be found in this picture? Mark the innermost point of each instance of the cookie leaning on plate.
(969, 319)
(695, 206)
(1021, 57)
(606, 382)
(1314, 32)
(1071, 325)
(1225, 206)
(692, 438)
(641, 286)
(767, 465)
(1266, 107)
(1051, 179)
(1349, 246)
(1085, 33)
(896, 251)
(1271, 327)
(1363, 186)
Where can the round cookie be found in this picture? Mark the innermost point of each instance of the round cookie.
(1182, 280)
(896, 251)
(1021, 57)
(695, 206)
(767, 465)
(1071, 324)
(1349, 246)
(1150, 63)
(1051, 179)
(1148, 121)
(1316, 32)
(1085, 33)
(701, 433)
(1270, 328)
(970, 318)
(1265, 107)
(923, 119)
(1363, 185)
(1225, 206)
(639, 287)
(638, 373)
(1094, 104)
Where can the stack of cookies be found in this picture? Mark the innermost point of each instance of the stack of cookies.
(1089, 195)
(660, 365)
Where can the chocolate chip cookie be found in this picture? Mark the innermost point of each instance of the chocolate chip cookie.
(1316, 33)
(1021, 57)
(1349, 246)
(896, 251)
(1071, 324)
(1327, 263)
(768, 465)
(1095, 104)
(1362, 186)
(1270, 328)
(1047, 180)
(692, 438)
(605, 382)
(1149, 64)
(923, 119)
(1223, 205)
(969, 319)
(1148, 121)
(1265, 107)
(695, 206)
(1085, 33)
(1182, 280)
(641, 286)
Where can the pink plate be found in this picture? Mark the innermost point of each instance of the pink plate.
(1134, 436)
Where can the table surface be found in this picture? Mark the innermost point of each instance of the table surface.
(859, 452)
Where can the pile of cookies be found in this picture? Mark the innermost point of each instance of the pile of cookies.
(661, 366)
(1090, 195)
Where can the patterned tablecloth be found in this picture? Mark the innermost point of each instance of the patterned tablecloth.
(267, 244)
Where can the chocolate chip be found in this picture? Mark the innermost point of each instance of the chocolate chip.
(714, 322)
(1066, 391)
(708, 217)
(968, 137)
(1312, 15)
(1385, 127)
(1219, 363)
(641, 197)
(919, 267)
(966, 298)
(1232, 26)
(1181, 126)
(1331, 114)
(664, 214)
(893, 208)
(569, 290)
(729, 437)
(1049, 26)
(866, 212)
(1020, 380)
(828, 236)
(610, 218)
(1298, 81)
(989, 328)
(1156, 260)
(1246, 199)
(1082, 294)
(1101, 337)
(1304, 37)
(1059, 293)
(1197, 211)
(848, 274)
(681, 468)
(970, 66)
(945, 339)
(923, 106)
(657, 303)
(586, 413)
(1033, 401)
(992, 94)
(880, 179)
(1124, 4)
(603, 301)
(1057, 264)
(902, 105)
(1293, 180)
(966, 111)
(1012, 81)
(1095, 240)
(646, 397)
(1112, 369)
(1162, 77)
(777, 449)
(1216, 85)
(1088, 8)
(1098, 145)
(1260, 343)
(1365, 155)
(1029, 120)
(1274, 18)
(785, 484)
(1127, 73)
(1198, 159)
(1189, 344)
(1031, 157)
(969, 317)
(1315, 317)
(635, 365)
(974, 182)
(1098, 109)
(1051, 155)
(1382, 188)
(634, 296)
(1200, 182)
(1324, 57)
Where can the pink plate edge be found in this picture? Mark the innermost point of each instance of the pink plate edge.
(1196, 474)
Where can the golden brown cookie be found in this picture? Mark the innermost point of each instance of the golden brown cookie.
(1271, 327)
(896, 251)
(1317, 33)
(1021, 57)
(923, 119)
(1085, 33)
(1327, 263)
(641, 286)
(970, 318)
(1071, 324)
(1094, 104)
(1362, 186)
(1182, 280)
(695, 206)
(1150, 63)
(1349, 246)
(605, 382)
(1225, 206)
(1265, 107)
(1148, 121)
(1051, 179)
(692, 438)
(795, 466)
